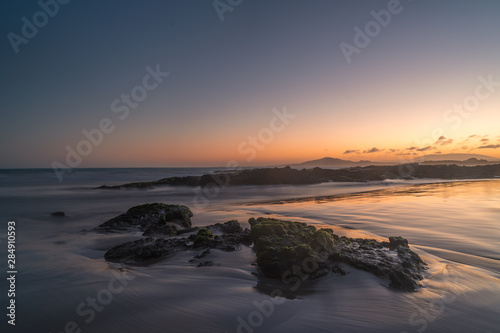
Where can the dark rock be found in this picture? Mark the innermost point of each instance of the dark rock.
(206, 263)
(268, 176)
(203, 254)
(229, 227)
(187, 230)
(58, 214)
(282, 246)
(172, 181)
(204, 237)
(160, 230)
(284, 249)
(397, 241)
(287, 175)
(145, 249)
(143, 217)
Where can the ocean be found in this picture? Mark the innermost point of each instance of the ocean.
(63, 284)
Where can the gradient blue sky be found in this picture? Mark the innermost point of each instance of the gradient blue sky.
(227, 77)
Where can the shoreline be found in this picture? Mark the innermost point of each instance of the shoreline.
(290, 176)
(370, 193)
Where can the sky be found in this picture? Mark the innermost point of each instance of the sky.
(158, 83)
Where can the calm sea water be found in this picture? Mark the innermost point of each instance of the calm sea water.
(63, 283)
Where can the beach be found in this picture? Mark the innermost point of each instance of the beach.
(64, 282)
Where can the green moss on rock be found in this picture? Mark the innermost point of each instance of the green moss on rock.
(280, 245)
(322, 240)
(203, 237)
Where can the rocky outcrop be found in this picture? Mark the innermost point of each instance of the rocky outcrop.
(152, 219)
(289, 176)
(227, 236)
(281, 246)
(171, 181)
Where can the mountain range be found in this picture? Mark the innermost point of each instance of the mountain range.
(459, 159)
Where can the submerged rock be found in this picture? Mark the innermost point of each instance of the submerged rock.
(58, 214)
(154, 218)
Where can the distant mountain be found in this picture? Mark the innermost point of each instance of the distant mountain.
(469, 162)
(454, 157)
(459, 159)
(331, 162)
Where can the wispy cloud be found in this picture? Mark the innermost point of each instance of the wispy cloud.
(373, 150)
(353, 151)
(444, 141)
(489, 147)
(425, 148)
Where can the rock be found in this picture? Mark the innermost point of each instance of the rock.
(203, 238)
(206, 263)
(284, 248)
(172, 181)
(145, 249)
(395, 242)
(229, 227)
(58, 214)
(287, 175)
(158, 229)
(152, 217)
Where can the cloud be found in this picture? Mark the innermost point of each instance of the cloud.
(411, 148)
(425, 148)
(489, 147)
(373, 150)
(355, 151)
(468, 138)
(485, 140)
(447, 142)
(443, 141)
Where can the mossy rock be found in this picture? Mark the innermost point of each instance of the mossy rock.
(203, 237)
(322, 240)
(282, 245)
(300, 231)
(166, 212)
